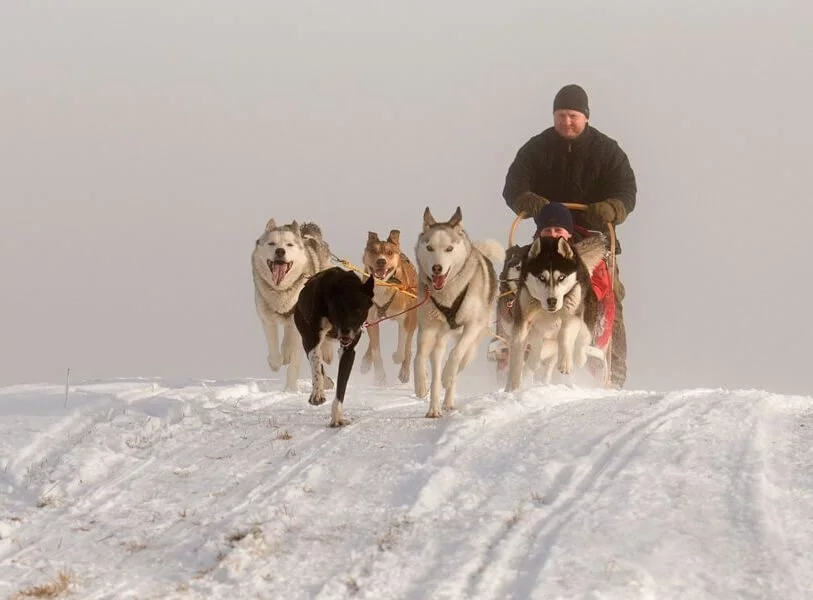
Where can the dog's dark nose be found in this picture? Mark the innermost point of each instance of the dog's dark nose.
(279, 252)
(437, 269)
(551, 303)
(381, 263)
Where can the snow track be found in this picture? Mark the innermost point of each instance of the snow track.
(155, 489)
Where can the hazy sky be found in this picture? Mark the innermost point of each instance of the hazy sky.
(143, 146)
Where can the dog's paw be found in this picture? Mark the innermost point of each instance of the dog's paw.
(403, 374)
(447, 378)
(398, 357)
(329, 385)
(513, 383)
(434, 411)
(286, 356)
(275, 361)
(366, 362)
(337, 414)
(421, 388)
(317, 397)
(380, 377)
(448, 405)
(566, 365)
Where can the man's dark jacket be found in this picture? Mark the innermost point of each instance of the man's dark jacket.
(591, 168)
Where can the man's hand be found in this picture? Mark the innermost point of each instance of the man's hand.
(607, 211)
(530, 204)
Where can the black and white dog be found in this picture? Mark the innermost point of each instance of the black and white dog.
(333, 305)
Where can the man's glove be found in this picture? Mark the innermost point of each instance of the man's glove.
(529, 203)
(607, 211)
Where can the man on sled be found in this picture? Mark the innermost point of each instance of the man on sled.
(572, 162)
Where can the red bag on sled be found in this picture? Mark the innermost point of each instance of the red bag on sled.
(603, 287)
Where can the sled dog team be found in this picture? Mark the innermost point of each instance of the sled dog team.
(453, 293)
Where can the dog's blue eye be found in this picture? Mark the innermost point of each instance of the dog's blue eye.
(290, 244)
(430, 249)
(272, 243)
(561, 278)
(449, 248)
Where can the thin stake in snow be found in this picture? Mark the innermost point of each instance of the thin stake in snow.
(67, 383)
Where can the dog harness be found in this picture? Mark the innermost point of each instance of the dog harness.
(382, 310)
(450, 312)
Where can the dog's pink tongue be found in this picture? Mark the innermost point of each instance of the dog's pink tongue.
(438, 281)
(278, 271)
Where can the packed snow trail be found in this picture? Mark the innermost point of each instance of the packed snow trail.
(148, 488)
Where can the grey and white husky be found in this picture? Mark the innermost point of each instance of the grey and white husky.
(461, 281)
(556, 303)
(283, 259)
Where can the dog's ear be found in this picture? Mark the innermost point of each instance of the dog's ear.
(457, 218)
(394, 237)
(536, 248)
(295, 229)
(272, 224)
(564, 249)
(369, 286)
(372, 236)
(428, 219)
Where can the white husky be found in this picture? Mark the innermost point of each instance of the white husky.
(283, 259)
(460, 278)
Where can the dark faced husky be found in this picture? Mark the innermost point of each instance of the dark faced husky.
(333, 305)
(460, 279)
(556, 301)
(283, 258)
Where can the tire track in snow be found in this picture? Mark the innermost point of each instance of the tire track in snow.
(291, 504)
(529, 540)
(63, 473)
(69, 431)
(452, 481)
(310, 447)
(780, 540)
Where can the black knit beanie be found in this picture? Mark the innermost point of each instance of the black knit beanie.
(554, 214)
(572, 97)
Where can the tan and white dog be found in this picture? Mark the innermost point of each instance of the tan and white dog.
(283, 259)
(462, 282)
(388, 265)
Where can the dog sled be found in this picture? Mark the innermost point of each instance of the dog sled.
(599, 352)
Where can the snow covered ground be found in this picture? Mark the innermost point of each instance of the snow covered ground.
(148, 488)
